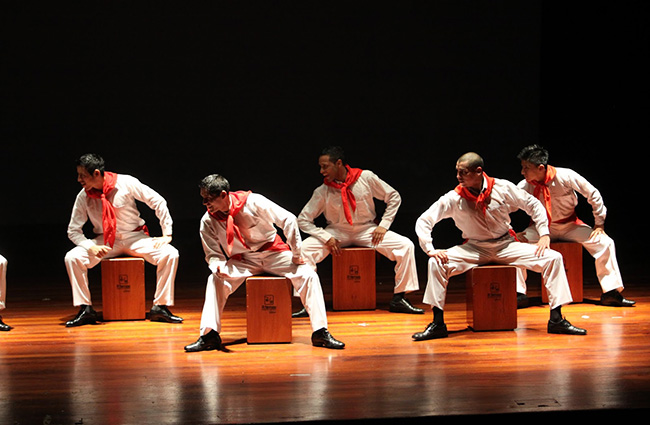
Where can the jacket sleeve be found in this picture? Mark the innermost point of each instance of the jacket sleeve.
(382, 190)
(314, 208)
(78, 219)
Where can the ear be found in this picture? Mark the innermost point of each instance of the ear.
(479, 170)
(97, 173)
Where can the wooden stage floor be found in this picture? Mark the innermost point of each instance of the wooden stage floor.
(138, 373)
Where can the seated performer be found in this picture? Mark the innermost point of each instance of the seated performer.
(347, 200)
(108, 200)
(480, 207)
(240, 240)
(3, 291)
(556, 188)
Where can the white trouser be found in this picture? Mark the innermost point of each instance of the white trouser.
(394, 247)
(305, 282)
(135, 244)
(3, 281)
(601, 248)
(501, 251)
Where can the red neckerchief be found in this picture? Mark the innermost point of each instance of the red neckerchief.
(346, 193)
(481, 200)
(543, 193)
(237, 202)
(108, 211)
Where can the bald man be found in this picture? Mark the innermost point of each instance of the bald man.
(480, 207)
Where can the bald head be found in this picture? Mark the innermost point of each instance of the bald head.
(469, 171)
(472, 160)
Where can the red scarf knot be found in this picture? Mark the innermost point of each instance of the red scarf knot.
(542, 192)
(109, 220)
(349, 201)
(482, 199)
(237, 202)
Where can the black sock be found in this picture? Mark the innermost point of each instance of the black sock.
(398, 296)
(438, 316)
(556, 314)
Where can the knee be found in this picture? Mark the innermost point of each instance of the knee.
(308, 274)
(71, 257)
(409, 246)
(433, 264)
(554, 256)
(171, 252)
(607, 241)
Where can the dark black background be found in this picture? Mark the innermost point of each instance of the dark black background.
(253, 91)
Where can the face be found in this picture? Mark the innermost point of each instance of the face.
(467, 178)
(331, 170)
(216, 203)
(89, 181)
(532, 172)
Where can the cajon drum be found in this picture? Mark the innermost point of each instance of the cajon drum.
(492, 298)
(268, 310)
(572, 256)
(123, 289)
(353, 279)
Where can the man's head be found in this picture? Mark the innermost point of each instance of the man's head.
(90, 171)
(332, 163)
(469, 171)
(214, 191)
(534, 160)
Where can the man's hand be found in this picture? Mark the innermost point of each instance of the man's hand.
(99, 251)
(378, 235)
(298, 260)
(598, 230)
(161, 241)
(542, 245)
(220, 274)
(334, 246)
(440, 255)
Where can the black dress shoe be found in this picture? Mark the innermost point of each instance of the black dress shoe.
(160, 313)
(322, 338)
(86, 316)
(402, 305)
(4, 326)
(432, 331)
(614, 298)
(300, 313)
(565, 328)
(209, 341)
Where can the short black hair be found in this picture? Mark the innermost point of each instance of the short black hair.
(91, 162)
(335, 153)
(535, 154)
(214, 184)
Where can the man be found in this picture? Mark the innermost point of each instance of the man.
(3, 291)
(240, 240)
(347, 200)
(557, 189)
(108, 200)
(480, 207)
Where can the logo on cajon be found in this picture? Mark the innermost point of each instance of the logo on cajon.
(123, 283)
(353, 273)
(495, 291)
(269, 304)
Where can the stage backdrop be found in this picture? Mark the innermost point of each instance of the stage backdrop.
(254, 92)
